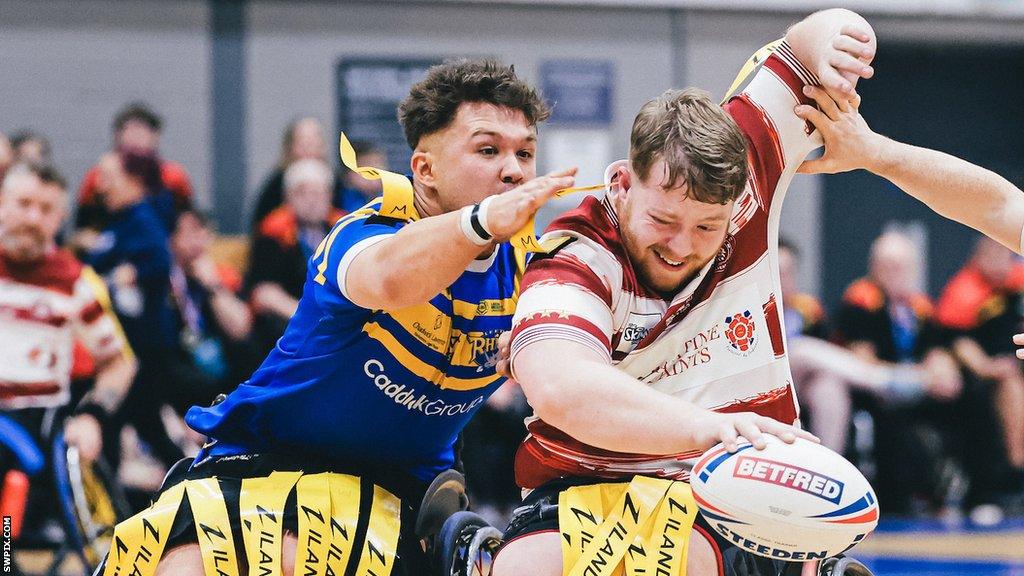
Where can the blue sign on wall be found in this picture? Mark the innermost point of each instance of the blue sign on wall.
(579, 91)
(369, 90)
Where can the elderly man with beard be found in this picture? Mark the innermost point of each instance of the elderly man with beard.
(48, 302)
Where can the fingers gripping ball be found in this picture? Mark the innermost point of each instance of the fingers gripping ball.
(797, 501)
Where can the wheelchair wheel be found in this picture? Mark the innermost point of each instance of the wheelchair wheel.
(466, 545)
(91, 503)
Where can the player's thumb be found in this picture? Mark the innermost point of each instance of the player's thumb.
(816, 166)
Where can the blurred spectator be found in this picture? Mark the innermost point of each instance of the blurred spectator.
(825, 373)
(303, 140)
(283, 243)
(51, 304)
(131, 252)
(356, 190)
(982, 307)
(137, 128)
(6, 155)
(884, 318)
(31, 147)
(213, 324)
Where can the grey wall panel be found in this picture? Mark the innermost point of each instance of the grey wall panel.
(293, 50)
(67, 66)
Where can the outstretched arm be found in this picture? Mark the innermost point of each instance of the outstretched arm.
(575, 390)
(950, 186)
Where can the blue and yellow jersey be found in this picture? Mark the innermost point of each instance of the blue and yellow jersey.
(377, 388)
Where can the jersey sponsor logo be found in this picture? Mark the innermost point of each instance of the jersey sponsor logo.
(696, 351)
(634, 333)
(792, 477)
(739, 330)
(638, 325)
(410, 398)
(478, 349)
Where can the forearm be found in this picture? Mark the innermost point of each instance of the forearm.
(113, 380)
(954, 188)
(231, 314)
(434, 251)
(270, 297)
(971, 355)
(602, 406)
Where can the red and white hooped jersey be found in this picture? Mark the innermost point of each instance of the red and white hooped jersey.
(45, 307)
(720, 342)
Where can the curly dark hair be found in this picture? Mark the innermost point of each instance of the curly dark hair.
(433, 102)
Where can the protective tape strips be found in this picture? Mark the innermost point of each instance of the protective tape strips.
(398, 195)
(635, 529)
(327, 512)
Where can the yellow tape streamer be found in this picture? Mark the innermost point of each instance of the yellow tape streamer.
(398, 196)
(633, 510)
(213, 528)
(378, 557)
(139, 541)
(313, 501)
(344, 517)
(525, 240)
(665, 540)
(261, 510)
(750, 67)
(580, 513)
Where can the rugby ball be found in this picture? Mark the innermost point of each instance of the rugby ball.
(795, 502)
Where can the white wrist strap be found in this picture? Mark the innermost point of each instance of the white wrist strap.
(466, 223)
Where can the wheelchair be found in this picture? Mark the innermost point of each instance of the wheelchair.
(87, 498)
(462, 543)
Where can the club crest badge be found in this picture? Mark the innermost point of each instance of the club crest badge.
(739, 330)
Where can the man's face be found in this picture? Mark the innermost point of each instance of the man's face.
(308, 141)
(895, 267)
(138, 135)
(31, 213)
(668, 235)
(486, 150)
(311, 200)
(191, 238)
(112, 182)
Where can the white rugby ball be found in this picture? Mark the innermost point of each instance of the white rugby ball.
(795, 502)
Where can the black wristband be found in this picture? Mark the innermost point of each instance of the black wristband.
(95, 410)
(474, 221)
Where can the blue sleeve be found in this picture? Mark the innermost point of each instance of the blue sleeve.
(349, 237)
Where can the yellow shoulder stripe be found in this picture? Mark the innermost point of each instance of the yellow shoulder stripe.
(99, 289)
(750, 67)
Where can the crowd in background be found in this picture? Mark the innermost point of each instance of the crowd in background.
(925, 396)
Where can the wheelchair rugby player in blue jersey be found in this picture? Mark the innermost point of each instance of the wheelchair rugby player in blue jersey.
(319, 463)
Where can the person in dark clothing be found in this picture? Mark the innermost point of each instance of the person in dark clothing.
(982, 306)
(884, 319)
(213, 324)
(135, 127)
(132, 255)
(303, 140)
(283, 243)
